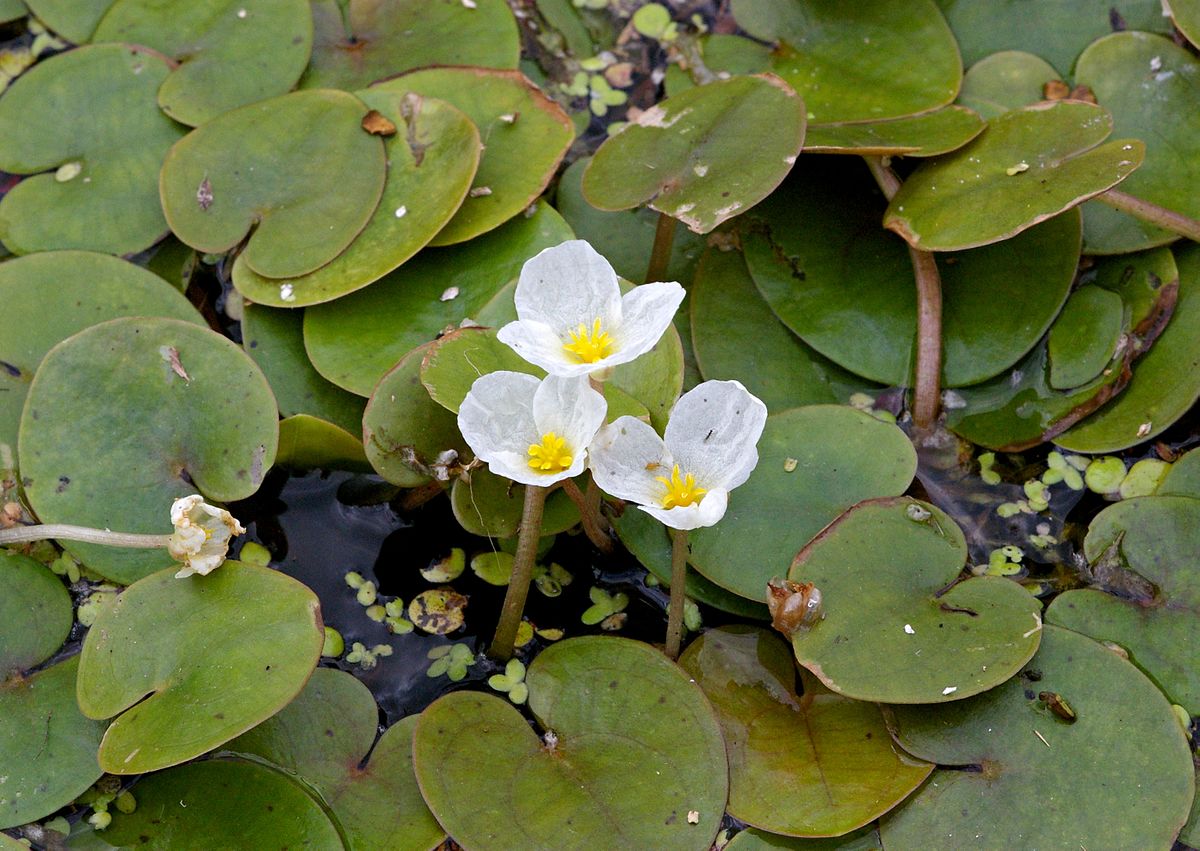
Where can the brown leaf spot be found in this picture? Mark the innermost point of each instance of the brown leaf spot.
(204, 194)
(378, 124)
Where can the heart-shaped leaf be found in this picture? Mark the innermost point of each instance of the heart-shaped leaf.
(35, 610)
(898, 627)
(687, 156)
(491, 506)
(817, 765)
(813, 464)
(1125, 754)
(925, 135)
(306, 443)
(74, 20)
(1085, 336)
(1028, 165)
(751, 839)
(111, 203)
(1183, 479)
(182, 409)
(1185, 14)
(187, 664)
(297, 169)
(1006, 80)
(599, 697)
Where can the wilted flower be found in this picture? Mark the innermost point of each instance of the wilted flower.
(684, 478)
(532, 431)
(572, 319)
(202, 534)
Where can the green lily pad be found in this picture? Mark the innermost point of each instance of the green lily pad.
(1185, 14)
(1009, 79)
(1146, 81)
(323, 736)
(491, 506)
(722, 54)
(74, 20)
(51, 295)
(600, 696)
(306, 443)
(1183, 479)
(689, 155)
(404, 430)
(111, 204)
(1085, 336)
(866, 839)
(825, 279)
(361, 41)
(229, 53)
(47, 748)
(165, 435)
(926, 135)
(894, 630)
(11, 10)
(1156, 538)
(842, 456)
(355, 340)
(35, 609)
(818, 765)
(222, 803)
(736, 335)
(1029, 165)
(431, 160)
(1057, 32)
(1166, 380)
(1125, 754)
(863, 62)
(164, 659)
(525, 136)
(297, 169)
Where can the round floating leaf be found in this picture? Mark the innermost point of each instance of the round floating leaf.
(1183, 479)
(841, 455)
(431, 160)
(825, 279)
(1146, 81)
(1028, 165)
(49, 296)
(74, 20)
(298, 169)
(404, 430)
(818, 765)
(11, 10)
(111, 204)
(750, 839)
(222, 803)
(898, 628)
(456, 360)
(47, 748)
(859, 62)
(373, 39)
(230, 53)
(1185, 14)
(525, 135)
(1085, 337)
(702, 156)
(35, 610)
(491, 506)
(926, 135)
(306, 443)
(355, 340)
(1006, 80)
(1156, 538)
(323, 736)
(1119, 777)
(1166, 380)
(736, 335)
(182, 409)
(211, 655)
(636, 748)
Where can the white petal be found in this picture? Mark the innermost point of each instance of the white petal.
(646, 312)
(570, 408)
(713, 433)
(624, 459)
(542, 346)
(706, 512)
(566, 285)
(497, 415)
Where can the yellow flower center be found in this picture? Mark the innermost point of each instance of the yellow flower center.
(551, 455)
(591, 346)
(681, 490)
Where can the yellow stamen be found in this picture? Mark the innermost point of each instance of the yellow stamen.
(591, 346)
(551, 455)
(681, 490)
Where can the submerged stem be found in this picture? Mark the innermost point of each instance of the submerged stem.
(594, 524)
(660, 254)
(65, 532)
(518, 587)
(679, 554)
(1152, 213)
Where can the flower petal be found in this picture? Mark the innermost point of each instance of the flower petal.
(646, 311)
(567, 285)
(713, 433)
(496, 416)
(706, 512)
(625, 457)
(570, 408)
(539, 344)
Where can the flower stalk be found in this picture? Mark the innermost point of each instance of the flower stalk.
(679, 554)
(84, 534)
(1152, 213)
(594, 525)
(502, 645)
(660, 253)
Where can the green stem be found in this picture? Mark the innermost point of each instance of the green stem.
(518, 587)
(660, 254)
(1152, 213)
(594, 524)
(679, 554)
(64, 532)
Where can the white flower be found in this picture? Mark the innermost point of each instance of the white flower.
(202, 534)
(684, 479)
(572, 319)
(532, 431)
